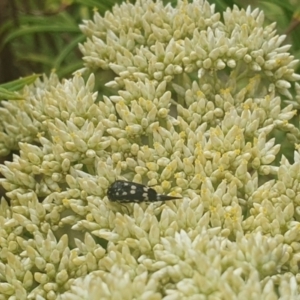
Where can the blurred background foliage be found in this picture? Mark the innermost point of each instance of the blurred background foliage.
(39, 36)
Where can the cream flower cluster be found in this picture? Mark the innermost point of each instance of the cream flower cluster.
(193, 105)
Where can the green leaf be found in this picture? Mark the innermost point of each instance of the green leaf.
(8, 95)
(67, 50)
(18, 84)
(35, 29)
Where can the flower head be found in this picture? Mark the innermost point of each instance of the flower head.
(194, 102)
